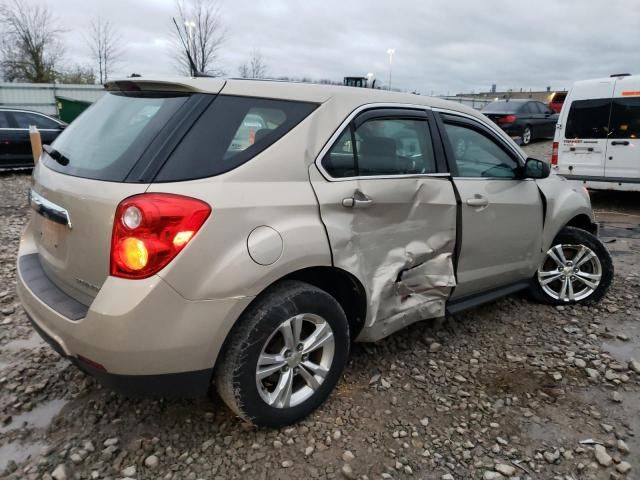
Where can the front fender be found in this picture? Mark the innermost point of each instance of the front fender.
(564, 201)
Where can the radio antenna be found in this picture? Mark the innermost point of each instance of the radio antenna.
(192, 65)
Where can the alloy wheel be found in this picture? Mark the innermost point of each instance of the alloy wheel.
(570, 273)
(295, 360)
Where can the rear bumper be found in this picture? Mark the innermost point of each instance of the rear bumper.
(135, 333)
(171, 385)
(512, 129)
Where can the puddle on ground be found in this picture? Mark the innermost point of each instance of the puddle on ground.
(18, 452)
(40, 417)
(34, 341)
(622, 351)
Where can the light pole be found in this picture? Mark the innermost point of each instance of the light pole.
(390, 52)
(190, 25)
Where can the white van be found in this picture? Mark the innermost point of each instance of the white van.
(597, 136)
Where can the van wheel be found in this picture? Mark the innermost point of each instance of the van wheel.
(527, 135)
(284, 356)
(576, 269)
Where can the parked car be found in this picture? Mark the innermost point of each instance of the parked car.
(165, 255)
(598, 140)
(15, 145)
(557, 100)
(527, 119)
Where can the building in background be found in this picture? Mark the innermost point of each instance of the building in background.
(65, 101)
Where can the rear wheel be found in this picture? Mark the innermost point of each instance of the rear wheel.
(527, 135)
(285, 356)
(576, 269)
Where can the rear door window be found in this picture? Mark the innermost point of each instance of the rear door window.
(389, 146)
(383, 147)
(588, 119)
(339, 162)
(229, 133)
(625, 118)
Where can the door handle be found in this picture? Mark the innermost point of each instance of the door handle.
(617, 142)
(478, 201)
(359, 200)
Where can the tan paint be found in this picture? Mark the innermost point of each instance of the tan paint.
(400, 249)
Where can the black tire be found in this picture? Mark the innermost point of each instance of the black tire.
(578, 237)
(524, 136)
(235, 374)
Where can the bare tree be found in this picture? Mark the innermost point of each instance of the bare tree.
(255, 67)
(203, 32)
(30, 50)
(77, 74)
(105, 45)
(244, 70)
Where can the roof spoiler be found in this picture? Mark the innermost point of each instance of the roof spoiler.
(147, 86)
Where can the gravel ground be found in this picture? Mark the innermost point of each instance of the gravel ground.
(509, 390)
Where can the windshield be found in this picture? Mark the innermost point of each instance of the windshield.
(501, 107)
(106, 141)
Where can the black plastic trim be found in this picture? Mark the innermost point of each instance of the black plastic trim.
(158, 152)
(387, 112)
(37, 281)
(193, 384)
(587, 178)
(472, 301)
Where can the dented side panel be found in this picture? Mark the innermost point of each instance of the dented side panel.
(400, 247)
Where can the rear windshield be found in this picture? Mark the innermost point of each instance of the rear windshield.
(106, 141)
(588, 119)
(229, 133)
(502, 107)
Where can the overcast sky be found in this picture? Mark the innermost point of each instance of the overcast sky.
(442, 46)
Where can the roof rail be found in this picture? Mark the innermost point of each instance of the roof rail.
(620, 75)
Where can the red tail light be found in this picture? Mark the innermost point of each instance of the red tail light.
(150, 229)
(507, 119)
(554, 153)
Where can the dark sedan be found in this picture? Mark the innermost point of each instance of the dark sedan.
(15, 146)
(527, 119)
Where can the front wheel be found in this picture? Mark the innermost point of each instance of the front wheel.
(284, 356)
(576, 269)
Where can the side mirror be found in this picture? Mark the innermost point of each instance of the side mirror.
(534, 168)
(62, 126)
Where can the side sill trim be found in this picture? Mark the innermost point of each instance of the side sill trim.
(472, 301)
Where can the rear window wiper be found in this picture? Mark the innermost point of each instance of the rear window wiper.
(56, 155)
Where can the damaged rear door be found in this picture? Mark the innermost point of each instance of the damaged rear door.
(390, 212)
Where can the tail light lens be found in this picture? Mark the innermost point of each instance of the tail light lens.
(150, 229)
(554, 153)
(507, 119)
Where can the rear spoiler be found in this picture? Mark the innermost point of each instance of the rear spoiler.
(180, 85)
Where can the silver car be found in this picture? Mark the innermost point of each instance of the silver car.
(168, 252)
